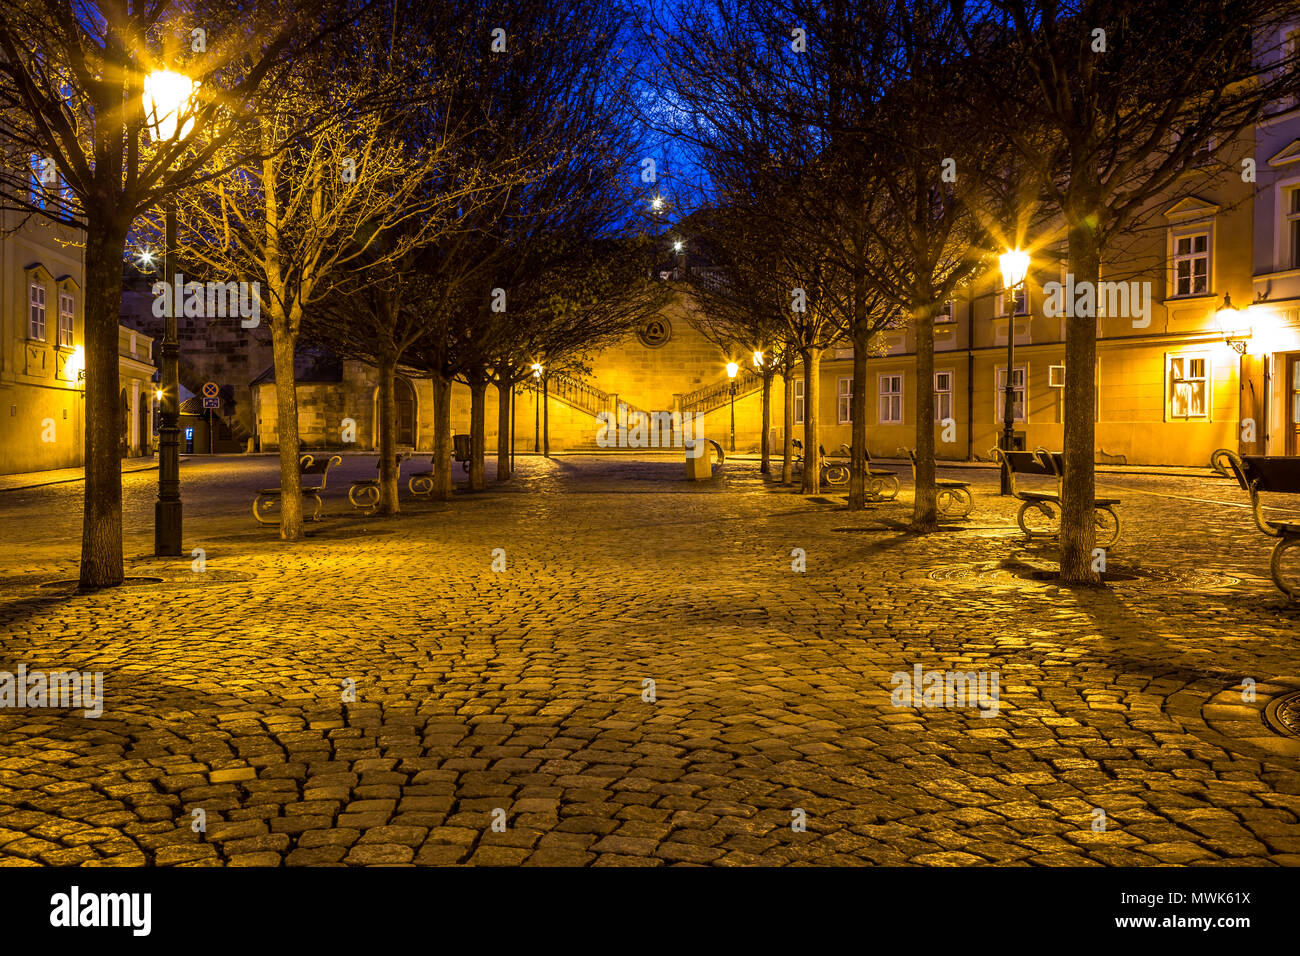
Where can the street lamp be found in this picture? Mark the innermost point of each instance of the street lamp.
(166, 99)
(1015, 267)
(732, 369)
(657, 204)
(538, 373)
(1234, 326)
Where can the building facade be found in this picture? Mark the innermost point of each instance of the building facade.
(42, 348)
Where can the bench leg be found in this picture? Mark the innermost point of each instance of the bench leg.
(1290, 588)
(1038, 518)
(261, 505)
(365, 497)
(837, 474)
(954, 502)
(420, 485)
(315, 496)
(1107, 523)
(883, 487)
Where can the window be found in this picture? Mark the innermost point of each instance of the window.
(798, 402)
(1017, 392)
(1192, 264)
(844, 395)
(65, 319)
(1021, 301)
(942, 395)
(945, 313)
(36, 322)
(1189, 387)
(1292, 213)
(891, 400)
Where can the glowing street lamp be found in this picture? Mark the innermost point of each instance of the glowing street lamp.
(732, 369)
(1015, 267)
(167, 100)
(538, 373)
(758, 360)
(1234, 324)
(657, 204)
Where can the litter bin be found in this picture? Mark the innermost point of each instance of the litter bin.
(699, 463)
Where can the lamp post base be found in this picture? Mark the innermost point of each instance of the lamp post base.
(166, 528)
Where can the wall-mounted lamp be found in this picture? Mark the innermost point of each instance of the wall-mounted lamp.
(1234, 325)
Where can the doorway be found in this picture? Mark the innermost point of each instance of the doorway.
(404, 400)
(1292, 416)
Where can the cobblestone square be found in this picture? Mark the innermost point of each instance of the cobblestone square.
(505, 717)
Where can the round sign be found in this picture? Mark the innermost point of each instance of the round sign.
(210, 390)
(654, 332)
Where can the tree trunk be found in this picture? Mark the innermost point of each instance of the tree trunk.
(286, 414)
(812, 359)
(387, 435)
(925, 515)
(101, 522)
(442, 463)
(765, 440)
(787, 427)
(858, 404)
(477, 430)
(1078, 493)
(505, 419)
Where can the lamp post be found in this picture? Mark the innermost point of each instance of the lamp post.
(1015, 266)
(732, 369)
(537, 413)
(166, 96)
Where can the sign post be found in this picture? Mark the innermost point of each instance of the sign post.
(211, 400)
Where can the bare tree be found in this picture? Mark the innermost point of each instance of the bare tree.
(71, 102)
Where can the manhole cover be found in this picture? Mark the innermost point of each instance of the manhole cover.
(1283, 714)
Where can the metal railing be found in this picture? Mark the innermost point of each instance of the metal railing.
(713, 396)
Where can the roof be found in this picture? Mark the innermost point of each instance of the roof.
(310, 364)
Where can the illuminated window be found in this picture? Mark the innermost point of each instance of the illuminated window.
(844, 394)
(891, 399)
(798, 402)
(36, 320)
(1189, 387)
(942, 395)
(65, 319)
(1017, 394)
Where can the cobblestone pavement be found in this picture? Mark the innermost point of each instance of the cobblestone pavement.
(520, 695)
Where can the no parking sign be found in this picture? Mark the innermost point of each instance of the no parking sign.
(210, 391)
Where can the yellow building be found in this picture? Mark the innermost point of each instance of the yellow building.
(42, 398)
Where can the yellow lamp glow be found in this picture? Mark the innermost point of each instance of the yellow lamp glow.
(76, 364)
(1015, 266)
(732, 369)
(677, 247)
(758, 360)
(537, 370)
(167, 97)
(657, 203)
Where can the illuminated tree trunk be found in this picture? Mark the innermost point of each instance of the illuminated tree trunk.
(477, 430)
(787, 427)
(925, 515)
(1078, 493)
(442, 463)
(858, 402)
(505, 421)
(812, 358)
(388, 469)
(286, 414)
(101, 523)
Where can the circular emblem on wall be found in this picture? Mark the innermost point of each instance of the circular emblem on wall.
(654, 332)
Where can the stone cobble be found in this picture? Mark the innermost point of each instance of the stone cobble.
(378, 695)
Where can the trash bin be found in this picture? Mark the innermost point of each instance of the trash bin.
(699, 463)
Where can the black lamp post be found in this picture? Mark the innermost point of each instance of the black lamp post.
(1015, 266)
(732, 369)
(166, 97)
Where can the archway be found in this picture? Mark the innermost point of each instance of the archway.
(404, 399)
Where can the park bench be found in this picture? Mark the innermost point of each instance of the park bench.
(952, 497)
(268, 498)
(420, 483)
(364, 492)
(1040, 509)
(1271, 474)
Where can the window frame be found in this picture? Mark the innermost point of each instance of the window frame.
(1207, 378)
(798, 401)
(947, 393)
(1175, 258)
(844, 400)
(33, 307)
(999, 390)
(71, 326)
(895, 379)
